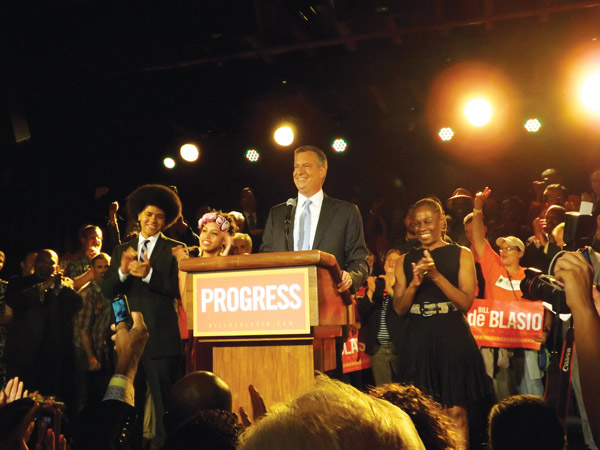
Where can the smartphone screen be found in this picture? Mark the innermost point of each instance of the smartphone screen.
(121, 310)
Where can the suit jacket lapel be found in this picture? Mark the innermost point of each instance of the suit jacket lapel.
(158, 248)
(325, 216)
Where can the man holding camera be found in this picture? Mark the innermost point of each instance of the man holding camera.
(39, 347)
(517, 370)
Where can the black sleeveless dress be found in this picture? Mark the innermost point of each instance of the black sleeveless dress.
(438, 353)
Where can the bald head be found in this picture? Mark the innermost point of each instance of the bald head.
(197, 391)
(46, 264)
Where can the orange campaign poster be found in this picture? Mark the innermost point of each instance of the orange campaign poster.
(503, 324)
(353, 355)
(251, 302)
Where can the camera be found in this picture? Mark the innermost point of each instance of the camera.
(537, 286)
(579, 232)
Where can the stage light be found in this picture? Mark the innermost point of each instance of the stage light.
(590, 92)
(189, 152)
(284, 136)
(169, 163)
(339, 145)
(446, 134)
(533, 125)
(252, 155)
(478, 112)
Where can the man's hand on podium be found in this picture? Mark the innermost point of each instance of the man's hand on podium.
(346, 282)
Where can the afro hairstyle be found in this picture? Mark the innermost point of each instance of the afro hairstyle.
(155, 195)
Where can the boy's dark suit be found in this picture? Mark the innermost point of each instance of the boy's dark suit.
(339, 232)
(156, 301)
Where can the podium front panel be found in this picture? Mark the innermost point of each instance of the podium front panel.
(257, 302)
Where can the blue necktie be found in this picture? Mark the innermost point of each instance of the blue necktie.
(304, 234)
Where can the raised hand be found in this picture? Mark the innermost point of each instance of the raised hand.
(481, 197)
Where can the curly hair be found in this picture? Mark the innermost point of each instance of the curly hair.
(431, 423)
(155, 195)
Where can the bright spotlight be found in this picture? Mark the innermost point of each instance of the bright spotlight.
(533, 125)
(252, 155)
(169, 163)
(590, 92)
(189, 152)
(478, 112)
(284, 136)
(446, 134)
(339, 145)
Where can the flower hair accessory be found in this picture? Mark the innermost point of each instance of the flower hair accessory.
(220, 220)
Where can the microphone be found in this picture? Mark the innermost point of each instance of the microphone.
(290, 204)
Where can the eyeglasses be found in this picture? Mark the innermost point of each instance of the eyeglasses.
(507, 249)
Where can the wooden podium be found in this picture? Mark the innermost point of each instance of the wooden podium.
(245, 311)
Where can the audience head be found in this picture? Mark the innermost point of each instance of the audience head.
(195, 392)
(555, 194)
(332, 415)
(468, 222)
(409, 222)
(430, 421)
(551, 175)
(525, 422)
(371, 261)
(90, 237)
(46, 264)
(460, 203)
(511, 210)
(389, 262)
(238, 219)
(511, 250)
(208, 430)
(242, 244)
(247, 200)
(100, 264)
(310, 169)
(28, 264)
(156, 207)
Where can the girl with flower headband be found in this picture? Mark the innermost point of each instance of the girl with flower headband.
(216, 233)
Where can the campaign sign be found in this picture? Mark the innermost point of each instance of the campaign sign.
(353, 355)
(506, 324)
(251, 302)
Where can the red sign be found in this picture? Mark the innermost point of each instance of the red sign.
(353, 355)
(506, 324)
(251, 302)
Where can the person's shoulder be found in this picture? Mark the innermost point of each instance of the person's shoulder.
(340, 204)
(169, 241)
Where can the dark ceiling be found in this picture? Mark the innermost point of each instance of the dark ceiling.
(98, 92)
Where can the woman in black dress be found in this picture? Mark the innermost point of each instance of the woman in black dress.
(434, 289)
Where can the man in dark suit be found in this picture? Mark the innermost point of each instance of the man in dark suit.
(333, 226)
(145, 270)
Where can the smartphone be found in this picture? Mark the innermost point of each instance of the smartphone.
(121, 310)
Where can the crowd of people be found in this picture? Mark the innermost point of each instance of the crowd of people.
(100, 384)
